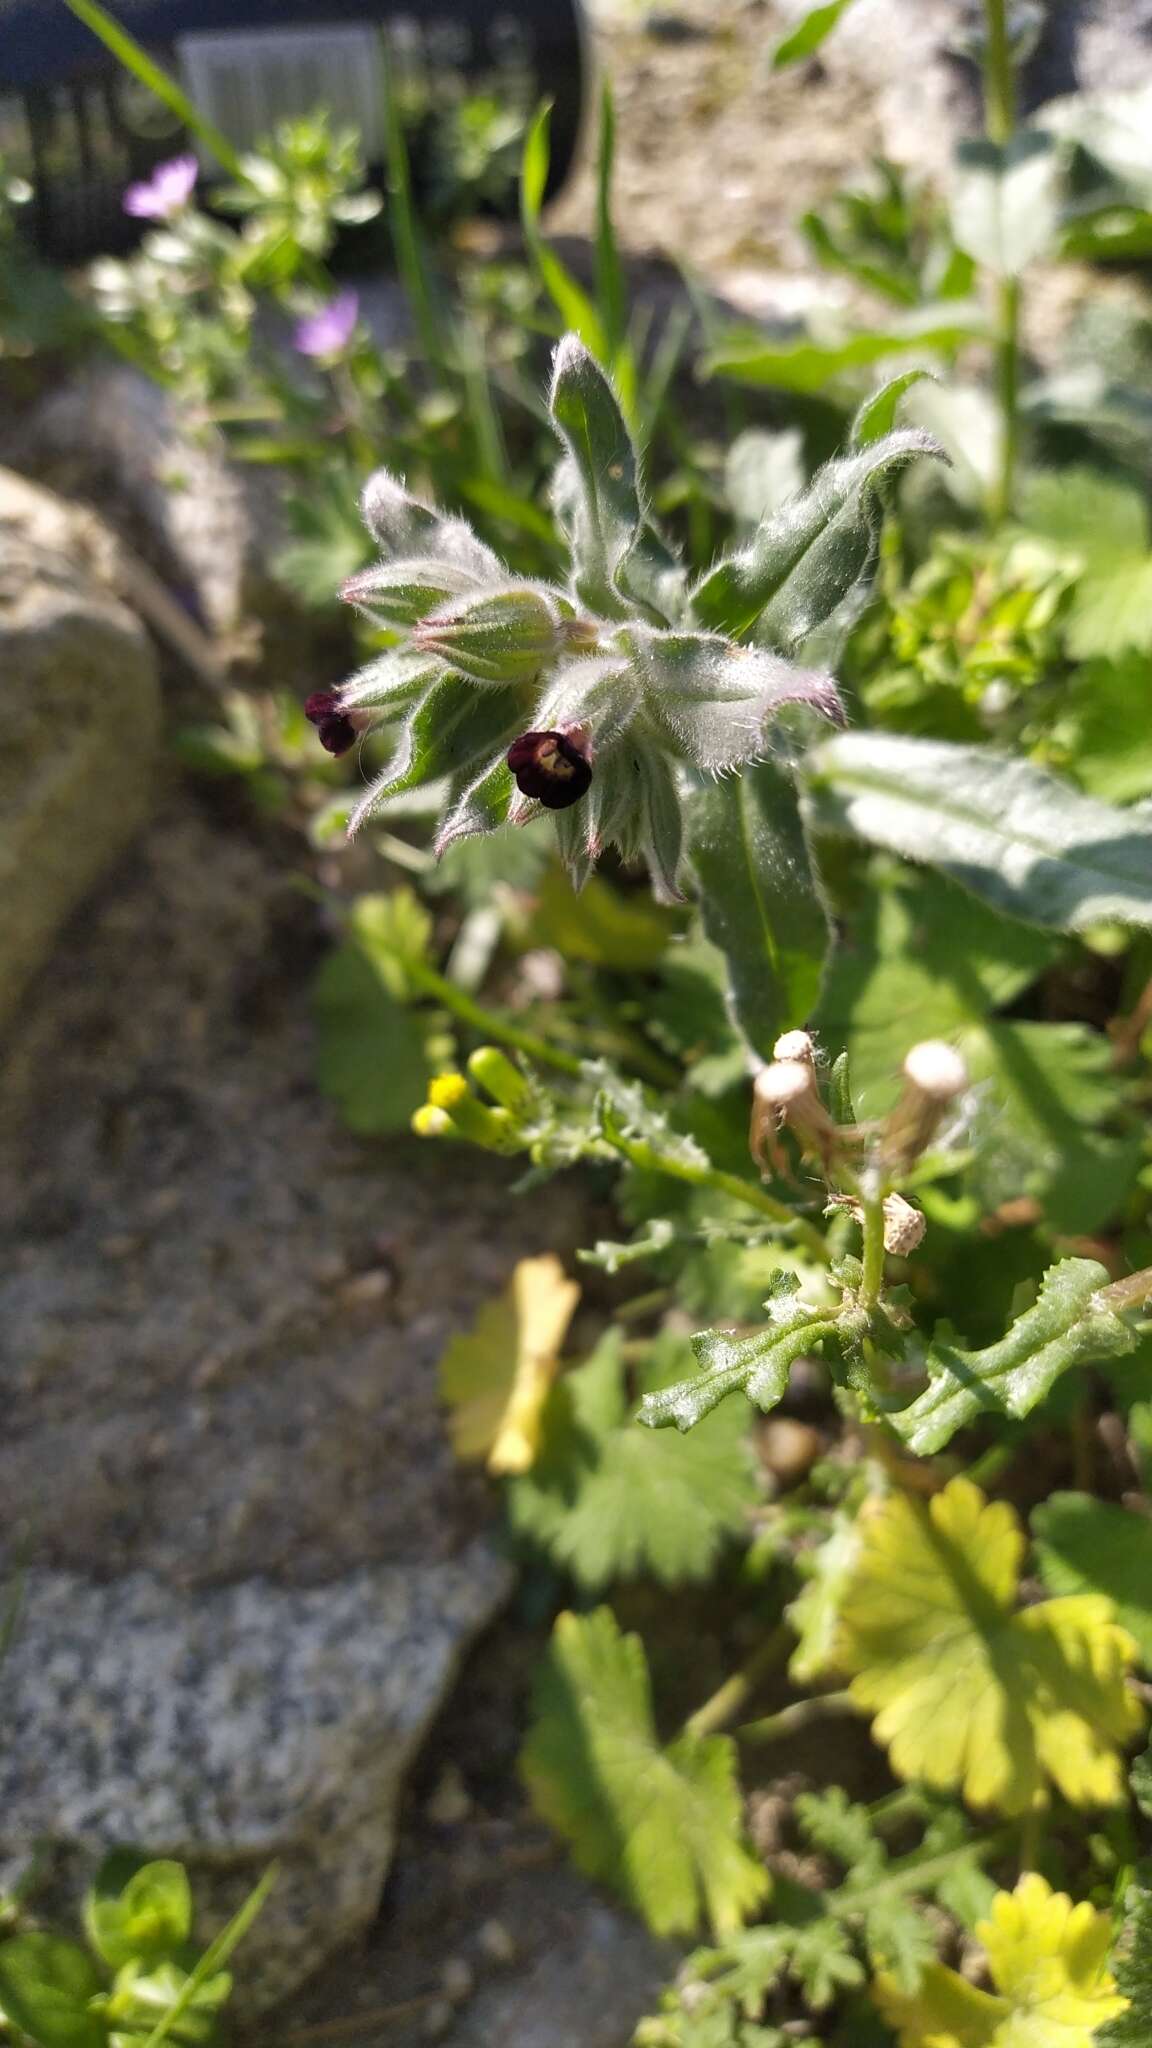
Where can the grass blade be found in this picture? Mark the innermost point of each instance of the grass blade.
(571, 301)
(135, 59)
(214, 1957)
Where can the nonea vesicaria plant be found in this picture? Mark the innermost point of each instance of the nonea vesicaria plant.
(608, 699)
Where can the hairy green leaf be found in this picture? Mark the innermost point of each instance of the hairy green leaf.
(660, 1825)
(758, 899)
(606, 495)
(1027, 843)
(803, 560)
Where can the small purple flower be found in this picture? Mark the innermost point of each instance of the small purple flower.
(168, 189)
(328, 331)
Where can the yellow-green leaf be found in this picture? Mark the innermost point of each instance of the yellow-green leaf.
(495, 1378)
(662, 1826)
(1048, 1961)
(967, 1691)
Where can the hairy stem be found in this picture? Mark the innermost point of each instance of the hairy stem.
(640, 1153)
(728, 1698)
(872, 1284)
(488, 1022)
(1000, 123)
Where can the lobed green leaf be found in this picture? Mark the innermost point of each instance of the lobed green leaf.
(1067, 1325)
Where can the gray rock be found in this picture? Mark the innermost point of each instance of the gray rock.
(220, 1316)
(910, 57)
(110, 436)
(256, 1722)
(81, 722)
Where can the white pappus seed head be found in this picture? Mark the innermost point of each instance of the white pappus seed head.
(936, 1069)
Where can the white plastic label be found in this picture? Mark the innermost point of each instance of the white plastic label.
(247, 82)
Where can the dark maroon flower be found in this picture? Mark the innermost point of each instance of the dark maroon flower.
(550, 768)
(334, 729)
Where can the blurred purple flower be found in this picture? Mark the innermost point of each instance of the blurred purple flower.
(168, 189)
(328, 331)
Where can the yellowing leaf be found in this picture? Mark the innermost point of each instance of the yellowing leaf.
(495, 1378)
(1047, 1959)
(663, 1826)
(967, 1691)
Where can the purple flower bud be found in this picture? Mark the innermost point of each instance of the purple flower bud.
(550, 768)
(328, 331)
(168, 189)
(336, 729)
(336, 734)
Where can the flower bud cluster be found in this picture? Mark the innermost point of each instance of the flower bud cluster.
(588, 699)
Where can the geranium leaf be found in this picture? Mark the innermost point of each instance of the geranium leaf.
(1066, 1325)
(1048, 1960)
(967, 1692)
(608, 1500)
(1090, 1546)
(803, 560)
(372, 1055)
(1027, 843)
(495, 1378)
(661, 1826)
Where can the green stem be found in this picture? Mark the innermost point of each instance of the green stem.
(728, 1699)
(1031, 1836)
(1135, 1291)
(488, 1023)
(872, 1284)
(799, 1715)
(1000, 125)
(911, 1874)
(640, 1153)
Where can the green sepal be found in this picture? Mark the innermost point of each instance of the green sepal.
(453, 729)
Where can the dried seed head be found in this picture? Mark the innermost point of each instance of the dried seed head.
(550, 767)
(904, 1225)
(934, 1075)
(786, 1093)
(936, 1069)
(795, 1045)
